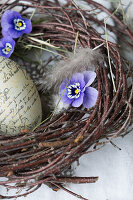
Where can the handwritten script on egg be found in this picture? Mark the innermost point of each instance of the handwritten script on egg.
(20, 105)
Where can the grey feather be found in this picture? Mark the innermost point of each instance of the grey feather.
(84, 59)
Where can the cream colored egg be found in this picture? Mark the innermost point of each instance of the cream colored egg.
(20, 105)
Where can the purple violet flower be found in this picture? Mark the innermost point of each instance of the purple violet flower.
(78, 91)
(6, 46)
(14, 25)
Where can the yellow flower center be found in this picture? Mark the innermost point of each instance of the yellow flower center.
(20, 24)
(8, 49)
(77, 91)
(73, 91)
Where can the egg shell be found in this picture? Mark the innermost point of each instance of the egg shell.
(20, 104)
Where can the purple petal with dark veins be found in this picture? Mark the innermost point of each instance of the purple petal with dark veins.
(89, 77)
(90, 97)
(78, 78)
(79, 101)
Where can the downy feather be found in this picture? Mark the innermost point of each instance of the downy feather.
(84, 59)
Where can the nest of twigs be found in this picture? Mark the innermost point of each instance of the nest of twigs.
(30, 159)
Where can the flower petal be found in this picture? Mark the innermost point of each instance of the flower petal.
(4, 32)
(1, 53)
(28, 26)
(8, 39)
(13, 33)
(6, 43)
(7, 18)
(66, 100)
(11, 26)
(78, 102)
(90, 97)
(89, 77)
(78, 78)
(63, 86)
(63, 91)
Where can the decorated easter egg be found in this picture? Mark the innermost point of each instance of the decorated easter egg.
(20, 104)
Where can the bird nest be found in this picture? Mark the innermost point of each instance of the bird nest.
(43, 156)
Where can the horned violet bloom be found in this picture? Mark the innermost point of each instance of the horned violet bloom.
(6, 46)
(78, 91)
(14, 25)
